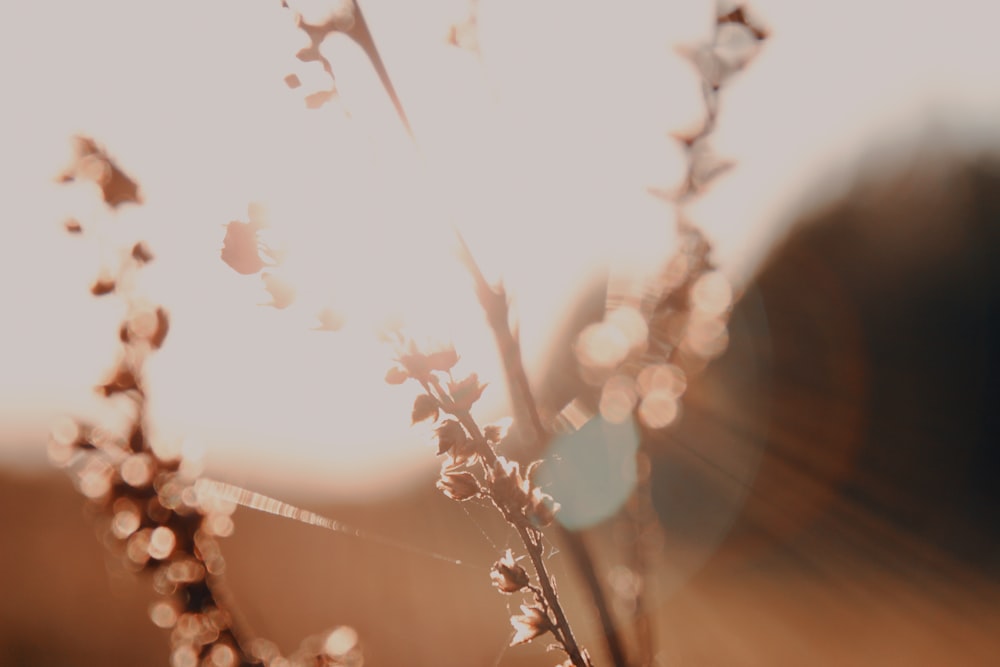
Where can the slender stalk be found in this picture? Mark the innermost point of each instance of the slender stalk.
(529, 537)
(577, 548)
(494, 303)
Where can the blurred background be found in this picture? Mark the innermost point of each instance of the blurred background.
(827, 495)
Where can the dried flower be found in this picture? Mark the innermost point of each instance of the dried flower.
(442, 360)
(458, 484)
(542, 508)
(507, 483)
(465, 393)
(424, 407)
(533, 622)
(507, 575)
(494, 433)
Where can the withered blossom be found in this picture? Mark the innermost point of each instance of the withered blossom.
(532, 622)
(443, 360)
(507, 575)
(507, 483)
(465, 393)
(419, 365)
(494, 433)
(542, 507)
(458, 484)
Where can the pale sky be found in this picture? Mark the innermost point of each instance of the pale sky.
(539, 153)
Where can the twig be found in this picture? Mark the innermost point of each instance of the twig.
(494, 303)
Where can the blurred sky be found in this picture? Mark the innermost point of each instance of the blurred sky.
(539, 153)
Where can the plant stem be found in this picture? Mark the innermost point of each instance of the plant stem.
(577, 548)
(525, 407)
(494, 303)
(528, 536)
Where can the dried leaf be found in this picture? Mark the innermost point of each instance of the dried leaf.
(319, 98)
(458, 485)
(241, 247)
(396, 375)
(507, 575)
(533, 622)
(424, 407)
(451, 436)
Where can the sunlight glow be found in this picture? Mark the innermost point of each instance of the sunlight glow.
(540, 148)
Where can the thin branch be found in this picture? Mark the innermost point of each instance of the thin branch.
(528, 536)
(494, 303)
